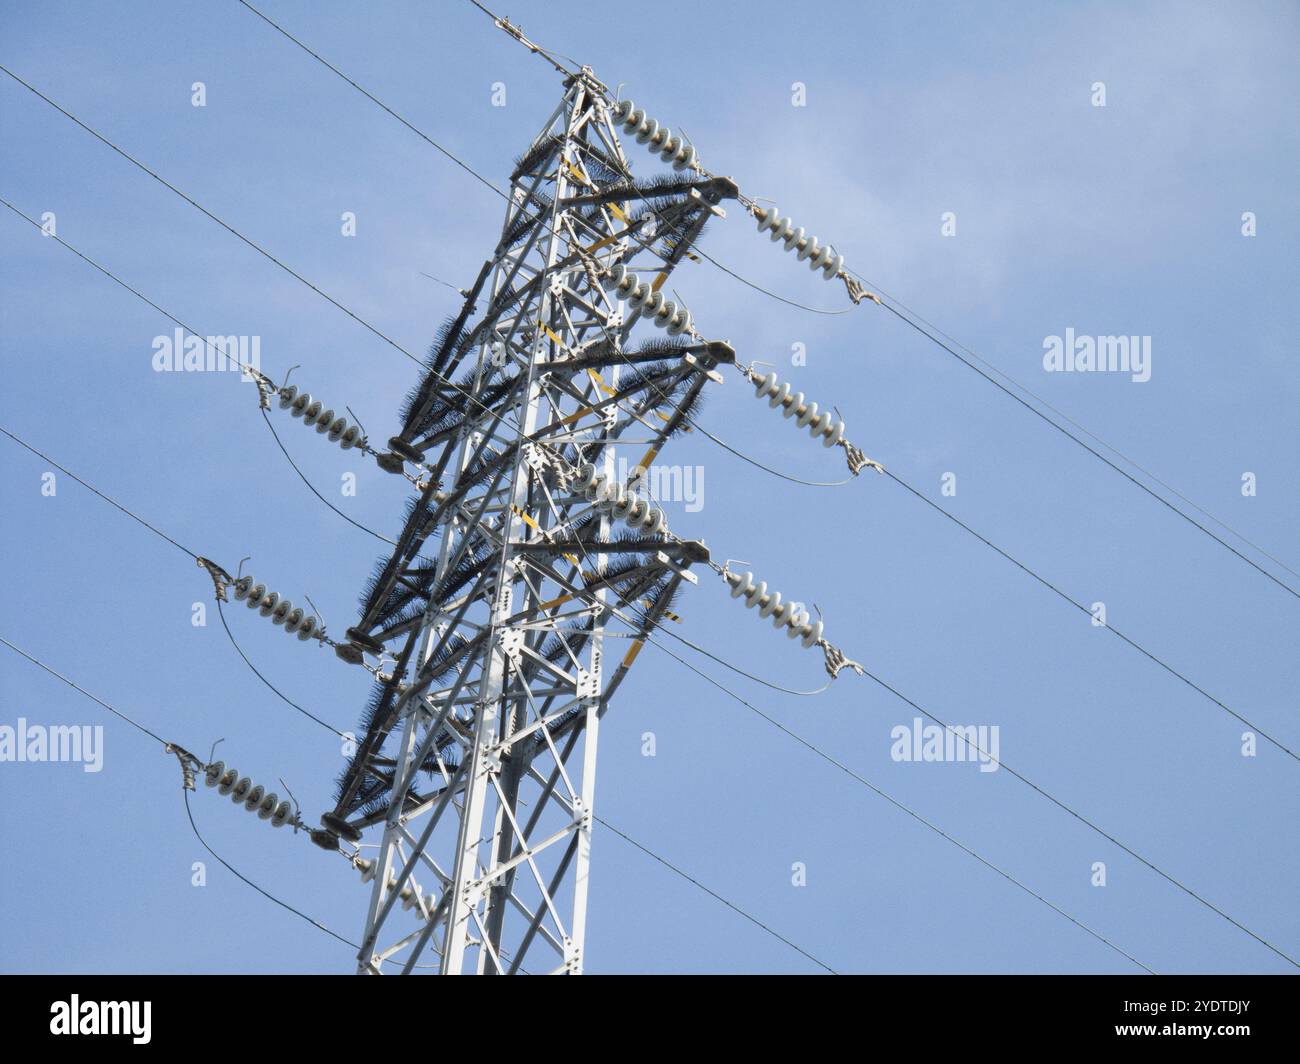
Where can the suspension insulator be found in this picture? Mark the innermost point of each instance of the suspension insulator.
(253, 796)
(795, 620)
(313, 412)
(808, 248)
(615, 499)
(823, 426)
(588, 477)
(282, 611)
(659, 139)
(663, 312)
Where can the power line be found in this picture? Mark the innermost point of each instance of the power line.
(153, 735)
(89, 487)
(714, 894)
(152, 528)
(77, 687)
(316, 923)
(424, 136)
(203, 210)
(831, 760)
(243, 878)
(854, 775)
(328, 727)
(1091, 450)
(312, 487)
(1084, 820)
(1080, 606)
(1023, 779)
(496, 417)
(298, 277)
(257, 247)
(378, 102)
(1082, 428)
(893, 306)
(279, 694)
(189, 329)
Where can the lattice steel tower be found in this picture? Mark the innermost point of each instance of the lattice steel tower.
(523, 559)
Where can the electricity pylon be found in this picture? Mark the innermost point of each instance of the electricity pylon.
(478, 762)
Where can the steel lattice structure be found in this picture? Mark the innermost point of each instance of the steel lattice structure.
(478, 762)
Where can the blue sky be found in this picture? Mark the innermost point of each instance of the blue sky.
(1117, 220)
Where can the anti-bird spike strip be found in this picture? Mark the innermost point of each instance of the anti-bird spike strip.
(313, 412)
(818, 256)
(651, 303)
(659, 139)
(253, 796)
(281, 611)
